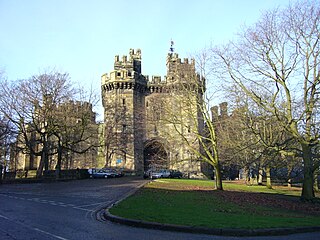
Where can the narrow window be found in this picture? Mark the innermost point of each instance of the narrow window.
(123, 101)
(124, 127)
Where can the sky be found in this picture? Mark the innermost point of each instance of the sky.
(82, 37)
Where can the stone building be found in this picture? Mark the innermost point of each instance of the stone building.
(147, 120)
(75, 124)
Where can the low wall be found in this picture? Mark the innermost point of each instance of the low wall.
(30, 175)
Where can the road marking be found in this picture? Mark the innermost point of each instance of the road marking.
(36, 229)
(60, 204)
(1, 216)
(50, 234)
(84, 209)
(93, 204)
(70, 205)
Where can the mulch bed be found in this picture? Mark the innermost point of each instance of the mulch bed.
(270, 200)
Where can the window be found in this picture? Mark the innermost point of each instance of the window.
(124, 128)
(123, 101)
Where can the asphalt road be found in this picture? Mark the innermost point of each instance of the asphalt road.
(70, 210)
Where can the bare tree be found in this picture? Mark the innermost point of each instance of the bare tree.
(76, 132)
(46, 126)
(276, 63)
(188, 116)
(7, 134)
(29, 104)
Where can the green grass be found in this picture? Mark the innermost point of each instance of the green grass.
(293, 191)
(195, 203)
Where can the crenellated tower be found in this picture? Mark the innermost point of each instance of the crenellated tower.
(178, 70)
(139, 115)
(123, 92)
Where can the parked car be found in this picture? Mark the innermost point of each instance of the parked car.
(163, 173)
(102, 173)
(155, 174)
(116, 172)
(175, 174)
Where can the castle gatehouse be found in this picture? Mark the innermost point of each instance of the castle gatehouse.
(141, 113)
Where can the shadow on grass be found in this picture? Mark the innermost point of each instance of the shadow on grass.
(201, 207)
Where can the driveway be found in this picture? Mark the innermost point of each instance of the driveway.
(71, 210)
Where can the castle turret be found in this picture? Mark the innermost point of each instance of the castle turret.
(178, 70)
(123, 93)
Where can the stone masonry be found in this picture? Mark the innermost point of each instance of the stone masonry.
(140, 116)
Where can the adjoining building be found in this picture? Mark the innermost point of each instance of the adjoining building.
(74, 133)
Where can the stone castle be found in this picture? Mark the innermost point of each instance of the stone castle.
(149, 123)
(141, 115)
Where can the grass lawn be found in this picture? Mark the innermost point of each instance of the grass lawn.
(196, 203)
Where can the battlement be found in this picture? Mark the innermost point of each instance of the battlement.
(133, 62)
(118, 75)
(174, 58)
(128, 69)
(156, 80)
(77, 105)
(179, 70)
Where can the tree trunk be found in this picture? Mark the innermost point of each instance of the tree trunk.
(1, 168)
(46, 159)
(315, 180)
(268, 174)
(247, 177)
(218, 177)
(59, 161)
(316, 185)
(41, 165)
(260, 177)
(307, 187)
(289, 176)
(45, 154)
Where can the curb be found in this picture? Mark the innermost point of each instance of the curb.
(202, 230)
(209, 231)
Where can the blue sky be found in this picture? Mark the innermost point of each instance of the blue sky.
(81, 37)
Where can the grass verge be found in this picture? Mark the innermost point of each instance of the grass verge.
(195, 203)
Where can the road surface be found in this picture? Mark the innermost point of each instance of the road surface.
(68, 210)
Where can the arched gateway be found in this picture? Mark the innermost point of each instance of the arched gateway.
(155, 156)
